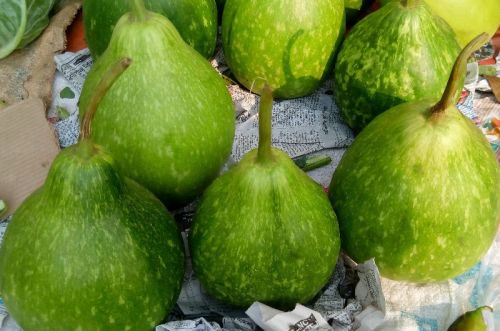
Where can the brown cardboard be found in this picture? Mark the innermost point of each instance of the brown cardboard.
(27, 148)
(495, 86)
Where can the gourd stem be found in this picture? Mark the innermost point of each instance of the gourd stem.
(102, 88)
(458, 71)
(138, 9)
(265, 126)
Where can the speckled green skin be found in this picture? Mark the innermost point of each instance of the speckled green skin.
(264, 232)
(196, 21)
(90, 251)
(288, 43)
(394, 55)
(419, 194)
(168, 120)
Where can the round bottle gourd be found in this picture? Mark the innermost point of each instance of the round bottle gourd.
(196, 21)
(264, 231)
(481, 319)
(400, 53)
(169, 120)
(90, 250)
(289, 44)
(419, 190)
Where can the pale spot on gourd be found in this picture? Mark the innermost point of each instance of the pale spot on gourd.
(441, 242)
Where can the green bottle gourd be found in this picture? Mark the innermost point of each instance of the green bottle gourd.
(264, 231)
(196, 21)
(289, 44)
(399, 53)
(90, 250)
(169, 121)
(476, 320)
(419, 189)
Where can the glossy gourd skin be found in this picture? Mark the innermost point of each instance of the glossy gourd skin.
(169, 120)
(475, 320)
(290, 44)
(89, 250)
(419, 190)
(196, 21)
(264, 231)
(399, 53)
(421, 195)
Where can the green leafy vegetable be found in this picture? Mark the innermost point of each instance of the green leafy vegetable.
(12, 25)
(37, 12)
(22, 21)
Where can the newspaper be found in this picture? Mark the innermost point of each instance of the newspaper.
(238, 324)
(338, 302)
(352, 289)
(63, 111)
(300, 126)
(368, 290)
(3, 228)
(3, 310)
(199, 324)
(6, 323)
(466, 102)
(300, 319)
(74, 67)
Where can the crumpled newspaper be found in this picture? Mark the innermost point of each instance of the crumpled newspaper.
(201, 324)
(300, 319)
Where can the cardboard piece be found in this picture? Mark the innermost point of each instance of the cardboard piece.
(29, 72)
(27, 148)
(495, 86)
